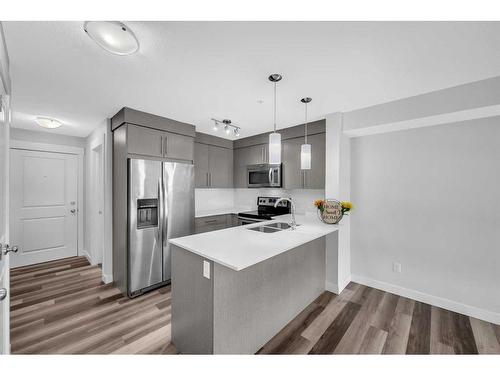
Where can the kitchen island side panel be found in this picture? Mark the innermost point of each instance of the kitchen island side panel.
(192, 303)
(254, 304)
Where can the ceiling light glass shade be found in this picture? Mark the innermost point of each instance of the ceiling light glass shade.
(48, 123)
(113, 36)
(227, 130)
(274, 148)
(237, 132)
(305, 156)
(216, 127)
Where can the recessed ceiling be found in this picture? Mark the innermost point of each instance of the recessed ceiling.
(195, 71)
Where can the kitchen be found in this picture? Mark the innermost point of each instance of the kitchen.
(190, 223)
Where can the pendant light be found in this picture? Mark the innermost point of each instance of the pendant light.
(275, 138)
(305, 149)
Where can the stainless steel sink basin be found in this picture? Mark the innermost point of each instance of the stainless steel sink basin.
(264, 229)
(272, 227)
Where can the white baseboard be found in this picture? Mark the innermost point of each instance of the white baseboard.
(444, 303)
(331, 287)
(106, 279)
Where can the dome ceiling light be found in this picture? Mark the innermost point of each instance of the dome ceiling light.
(48, 123)
(113, 36)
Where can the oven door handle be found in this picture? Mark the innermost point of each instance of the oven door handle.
(271, 176)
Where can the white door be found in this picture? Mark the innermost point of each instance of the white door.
(4, 227)
(43, 206)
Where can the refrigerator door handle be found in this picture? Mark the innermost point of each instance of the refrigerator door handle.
(160, 216)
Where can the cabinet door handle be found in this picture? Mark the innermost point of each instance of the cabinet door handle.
(207, 180)
(164, 145)
(210, 221)
(210, 179)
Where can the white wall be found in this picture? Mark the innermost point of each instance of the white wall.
(429, 199)
(208, 199)
(46, 137)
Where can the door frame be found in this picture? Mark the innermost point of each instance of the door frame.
(61, 149)
(97, 194)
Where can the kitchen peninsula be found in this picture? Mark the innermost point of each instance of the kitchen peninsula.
(234, 289)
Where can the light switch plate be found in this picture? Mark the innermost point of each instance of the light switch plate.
(206, 269)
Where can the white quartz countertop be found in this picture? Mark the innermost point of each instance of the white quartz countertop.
(239, 248)
(222, 211)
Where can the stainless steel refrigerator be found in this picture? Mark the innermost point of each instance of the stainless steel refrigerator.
(160, 207)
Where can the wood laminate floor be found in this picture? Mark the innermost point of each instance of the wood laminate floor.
(63, 307)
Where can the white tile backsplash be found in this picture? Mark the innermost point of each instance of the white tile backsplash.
(209, 199)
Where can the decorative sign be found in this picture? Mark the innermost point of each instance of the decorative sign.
(332, 211)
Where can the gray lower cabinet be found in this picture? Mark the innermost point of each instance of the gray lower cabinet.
(216, 222)
(296, 178)
(213, 166)
(151, 142)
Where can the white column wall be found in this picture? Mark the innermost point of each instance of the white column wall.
(337, 186)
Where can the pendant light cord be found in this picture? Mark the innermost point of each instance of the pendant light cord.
(306, 123)
(275, 107)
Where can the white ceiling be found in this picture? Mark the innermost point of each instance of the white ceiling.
(192, 71)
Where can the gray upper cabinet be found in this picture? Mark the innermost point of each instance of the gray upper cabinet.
(220, 161)
(201, 165)
(176, 146)
(144, 141)
(315, 177)
(292, 174)
(213, 166)
(244, 156)
(157, 143)
(296, 178)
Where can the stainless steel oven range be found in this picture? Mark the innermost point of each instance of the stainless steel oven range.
(265, 211)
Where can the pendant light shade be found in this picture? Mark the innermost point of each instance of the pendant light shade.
(274, 148)
(275, 138)
(305, 149)
(305, 156)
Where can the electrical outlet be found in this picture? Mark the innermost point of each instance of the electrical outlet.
(206, 269)
(396, 267)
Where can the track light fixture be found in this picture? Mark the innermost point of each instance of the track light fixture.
(228, 126)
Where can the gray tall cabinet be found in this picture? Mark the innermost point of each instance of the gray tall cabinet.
(145, 136)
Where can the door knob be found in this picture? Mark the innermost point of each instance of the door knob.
(3, 293)
(7, 249)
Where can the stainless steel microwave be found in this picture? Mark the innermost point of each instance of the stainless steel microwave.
(264, 175)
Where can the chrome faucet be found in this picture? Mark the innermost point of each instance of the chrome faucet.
(293, 224)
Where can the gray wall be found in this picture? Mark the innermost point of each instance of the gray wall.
(429, 199)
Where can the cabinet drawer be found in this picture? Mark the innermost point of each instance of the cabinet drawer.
(210, 223)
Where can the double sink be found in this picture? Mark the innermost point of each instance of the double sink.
(272, 227)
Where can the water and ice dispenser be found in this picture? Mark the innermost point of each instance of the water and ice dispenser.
(147, 213)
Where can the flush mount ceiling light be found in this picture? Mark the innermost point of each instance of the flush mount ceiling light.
(228, 126)
(48, 123)
(275, 138)
(113, 36)
(305, 149)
